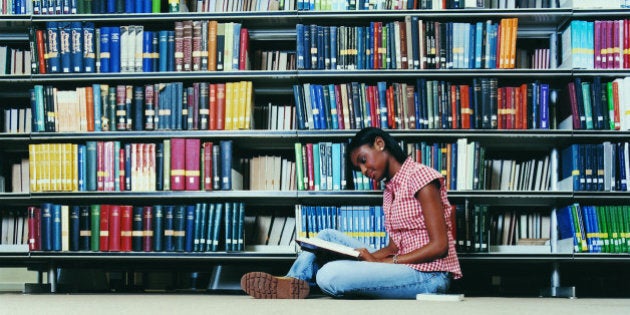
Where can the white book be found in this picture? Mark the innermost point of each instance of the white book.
(276, 231)
(317, 244)
(439, 297)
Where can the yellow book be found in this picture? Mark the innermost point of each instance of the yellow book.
(229, 105)
(74, 157)
(248, 105)
(242, 90)
(32, 165)
(228, 47)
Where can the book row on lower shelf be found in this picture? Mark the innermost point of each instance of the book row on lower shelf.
(231, 226)
(595, 229)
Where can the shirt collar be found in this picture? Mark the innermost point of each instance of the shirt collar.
(398, 177)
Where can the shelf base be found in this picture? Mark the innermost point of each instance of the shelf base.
(37, 288)
(560, 292)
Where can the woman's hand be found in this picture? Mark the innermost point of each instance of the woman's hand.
(365, 255)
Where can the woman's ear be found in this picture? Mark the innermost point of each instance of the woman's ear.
(379, 144)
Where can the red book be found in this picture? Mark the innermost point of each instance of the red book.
(212, 106)
(466, 111)
(100, 166)
(310, 167)
(390, 107)
(41, 50)
(89, 104)
(220, 118)
(114, 228)
(372, 95)
(626, 44)
(574, 106)
(243, 58)
(149, 166)
(501, 108)
(411, 107)
(339, 104)
(34, 223)
(104, 231)
(121, 169)
(126, 220)
(179, 46)
(616, 46)
(207, 165)
(178, 164)
(193, 146)
(147, 227)
(187, 45)
(196, 45)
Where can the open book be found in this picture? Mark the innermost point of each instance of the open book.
(319, 245)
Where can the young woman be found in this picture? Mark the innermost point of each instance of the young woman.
(420, 256)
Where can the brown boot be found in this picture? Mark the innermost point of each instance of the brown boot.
(262, 285)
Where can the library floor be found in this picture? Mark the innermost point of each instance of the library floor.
(95, 304)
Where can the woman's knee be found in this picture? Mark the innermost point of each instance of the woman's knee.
(328, 279)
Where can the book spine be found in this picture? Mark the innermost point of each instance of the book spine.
(226, 164)
(178, 164)
(148, 229)
(137, 231)
(192, 172)
(126, 228)
(95, 227)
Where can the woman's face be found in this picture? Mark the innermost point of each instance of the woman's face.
(371, 160)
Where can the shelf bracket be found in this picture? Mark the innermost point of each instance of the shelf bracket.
(555, 290)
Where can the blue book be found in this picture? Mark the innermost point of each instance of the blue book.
(169, 228)
(332, 100)
(46, 227)
(147, 51)
(55, 232)
(216, 227)
(382, 96)
(163, 51)
(298, 97)
(313, 106)
(333, 30)
(570, 168)
(197, 231)
(73, 228)
(117, 169)
(105, 53)
(299, 48)
(98, 107)
(622, 148)
(159, 166)
(90, 163)
(178, 101)
(226, 164)
(189, 228)
(234, 229)
(241, 222)
(84, 228)
(114, 62)
(317, 167)
(308, 57)
(138, 108)
(179, 228)
(147, 6)
(128, 178)
(65, 46)
(136, 229)
(158, 228)
(88, 43)
(236, 45)
(209, 228)
(76, 47)
(170, 51)
(110, 6)
(478, 31)
(544, 106)
(53, 47)
(130, 6)
(81, 167)
(360, 42)
(336, 166)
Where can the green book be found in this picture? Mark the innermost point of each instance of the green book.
(90, 166)
(95, 220)
(299, 167)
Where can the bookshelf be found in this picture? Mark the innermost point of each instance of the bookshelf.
(267, 29)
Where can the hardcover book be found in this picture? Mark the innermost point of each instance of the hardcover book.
(335, 250)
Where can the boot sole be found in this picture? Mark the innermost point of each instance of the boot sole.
(262, 285)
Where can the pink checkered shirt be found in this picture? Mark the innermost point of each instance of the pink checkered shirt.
(404, 221)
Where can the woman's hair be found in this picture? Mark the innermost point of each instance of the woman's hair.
(368, 136)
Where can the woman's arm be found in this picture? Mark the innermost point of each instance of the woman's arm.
(380, 255)
(429, 197)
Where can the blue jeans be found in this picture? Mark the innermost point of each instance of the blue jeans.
(362, 279)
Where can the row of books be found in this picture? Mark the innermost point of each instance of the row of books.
(274, 60)
(427, 104)
(160, 106)
(274, 117)
(271, 229)
(322, 166)
(362, 222)
(13, 227)
(595, 228)
(599, 105)
(77, 47)
(595, 167)
(43, 7)
(242, 6)
(20, 177)
(17, 120)
(481, 228)
(271, 173)
(408, 44)
(599, 44)
(465, 166)
(14, 61)
(342, 5)
(200, 227)
(173, 164)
